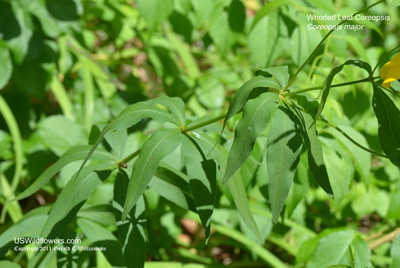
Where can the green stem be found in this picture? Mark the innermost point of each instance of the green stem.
(321, 42)
(264, 254)
(123, 162)
(205, 123)
(320, 87)
(12, 125)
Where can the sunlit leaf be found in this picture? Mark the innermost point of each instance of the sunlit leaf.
(159, 145)
(283, 154)
(155, 11)
(256, 117)
(72, 198)
(241, 96)
(315, 153)
(72, 155)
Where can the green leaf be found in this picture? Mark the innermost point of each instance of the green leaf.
(337, 170)
(361, 158)
(329, 79)
(27, 227)
(131, 116)
(8, 264)
(256, 115)
(241, 96)
(159, 145)
(117, 141)
(202, 173)
(175, 105)
(303, 43)
(339, 266)
(281, 75)
(266, 9)
(71, 134)
(102, 237)
(388, 116)
(5, 65)
(19, 32)
(394, 3)
(394, 206)
(394, 253)
(221, 33)
(72, 198)
(334, 248)
(154, 11)
(72, 155)
(102, 214)
(268, 39)
(173, 185)
(315, 153)
(203, 10)
(284, 145)
(236, 186)
(237, 16)
(131, 232)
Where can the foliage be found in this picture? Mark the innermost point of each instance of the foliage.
(112, 133)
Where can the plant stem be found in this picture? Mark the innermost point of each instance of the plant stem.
(123, 162)
(205, 123)
(321, 42)
(320, 87)
(264, 254)
(386, 238)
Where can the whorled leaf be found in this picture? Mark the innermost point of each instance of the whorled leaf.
(284, 146)
(256, 116)
(334, 248)
(388, 116)
(241, 96)
(236, 185)
(159, 145)
(175, 105)
(131, 116)
(315, 153)
(280, 73)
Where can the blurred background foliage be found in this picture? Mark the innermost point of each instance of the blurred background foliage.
(68, 64)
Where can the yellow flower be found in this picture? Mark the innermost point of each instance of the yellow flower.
(390, 71)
